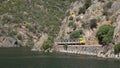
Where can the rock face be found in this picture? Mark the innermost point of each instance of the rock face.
(106, 51)
(94, 11)
(62, 28)
(37, 46)
(115, 6)
(8, 42)
(117, 29)
(106, 12)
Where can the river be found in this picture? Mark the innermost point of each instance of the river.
(24, 58)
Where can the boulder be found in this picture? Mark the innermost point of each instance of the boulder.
(8, 42)
(94, 11)
(37, 46)
(115, 6)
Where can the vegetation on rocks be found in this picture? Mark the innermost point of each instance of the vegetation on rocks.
(47, 44)
(117, 48)
(76, 34)
(86, 6)
(85, 25)
(31, 18)
(65, 46)
(70, 18)
(28, 20)
(105, 34)
(72, 24)
(93, 23)
(108, 5)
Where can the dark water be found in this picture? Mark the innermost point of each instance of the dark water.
(23, 58)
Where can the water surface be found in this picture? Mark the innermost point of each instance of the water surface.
(24, 58)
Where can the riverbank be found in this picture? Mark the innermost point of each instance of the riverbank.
(80, 49)
(24, 58)
(93, 50)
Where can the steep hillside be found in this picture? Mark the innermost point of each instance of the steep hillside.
(27, 20)
(98, 21)
(32, 22)
(88, 16)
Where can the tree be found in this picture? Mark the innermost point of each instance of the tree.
(65, 46)
(105, 34)
(87, 3)
(76, 34)
(93, 23)
(47, 44)
(106, 13)
(72, 25)
(6, 19)
(82, 10)
(117, 48)
(109, 4)
(86, 6)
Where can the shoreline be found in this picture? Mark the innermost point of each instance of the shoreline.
(91, 54)
(86, 50)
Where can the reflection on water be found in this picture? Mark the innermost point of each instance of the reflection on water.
(24, 58)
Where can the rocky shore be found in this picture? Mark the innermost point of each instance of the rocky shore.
(95, 50)
(80, 49)
(9, 42)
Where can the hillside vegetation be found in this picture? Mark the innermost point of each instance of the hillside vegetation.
(27, 20)
(37, 22)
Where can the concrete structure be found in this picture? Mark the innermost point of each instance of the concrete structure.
(77, 49)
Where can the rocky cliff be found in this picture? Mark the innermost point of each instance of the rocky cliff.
(89, 16)
(97, 14)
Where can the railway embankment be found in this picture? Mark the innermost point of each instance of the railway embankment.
(95, 50)
(80, 49)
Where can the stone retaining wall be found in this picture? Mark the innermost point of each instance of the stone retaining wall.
(80, 49)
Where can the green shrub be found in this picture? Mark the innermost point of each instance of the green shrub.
(47, 44)
(105, 34)
(93, 23)
(30, 43)
(71, 24)
(85, 24)
(19, 36)
(12, 33)
(2, 10)
(76, 34)
(109, 4)
(70, 18)
(106, 13)
(31, 28)
(81, 10)
(18, 18)
(6, 19)
(117, 48)
(65, 46)
(67, 13)
(113, 19)
(87, 3)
